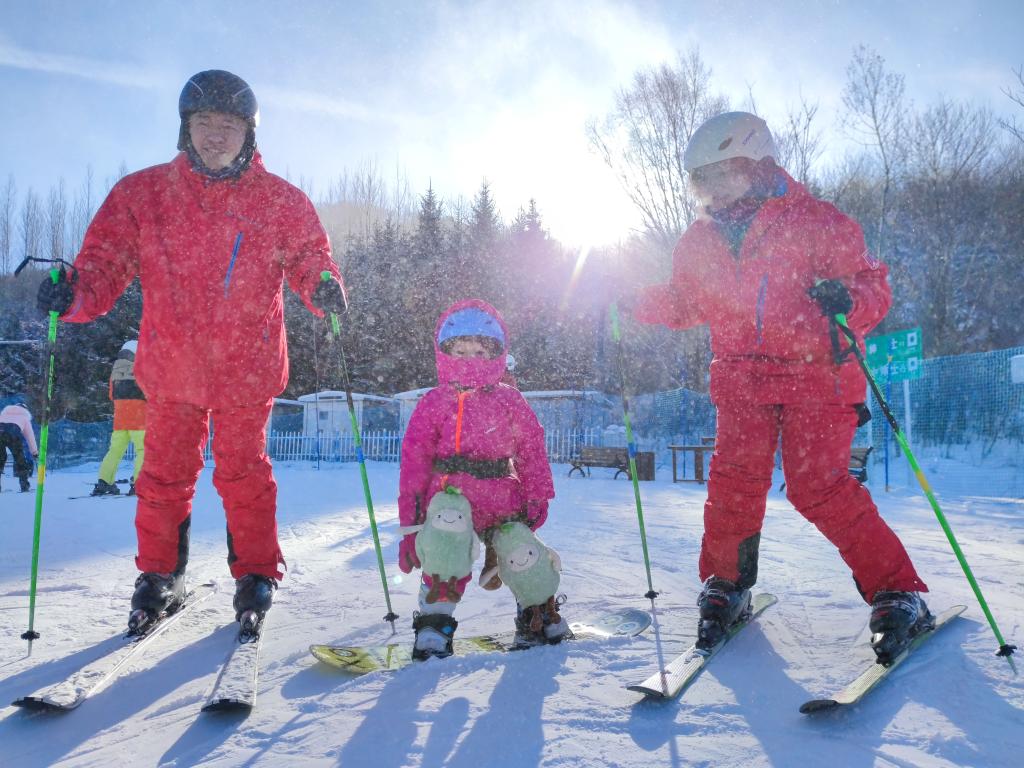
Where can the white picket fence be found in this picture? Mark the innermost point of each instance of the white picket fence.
(561, 445)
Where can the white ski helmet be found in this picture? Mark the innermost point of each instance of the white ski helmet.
(729, 135)
(510, 363)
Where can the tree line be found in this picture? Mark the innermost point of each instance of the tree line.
(938, 189)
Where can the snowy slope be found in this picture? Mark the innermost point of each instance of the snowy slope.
(954, 704)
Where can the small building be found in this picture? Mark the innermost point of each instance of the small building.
(407, 403)
(326, 413)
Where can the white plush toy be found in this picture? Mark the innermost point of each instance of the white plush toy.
(530, 569)
(446, 543)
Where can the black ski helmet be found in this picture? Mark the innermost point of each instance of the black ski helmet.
(215, 90)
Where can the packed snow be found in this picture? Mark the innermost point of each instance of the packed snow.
(954, 703)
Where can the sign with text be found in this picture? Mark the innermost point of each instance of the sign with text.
(895, 356)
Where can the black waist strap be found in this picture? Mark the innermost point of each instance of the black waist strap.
(483, 469)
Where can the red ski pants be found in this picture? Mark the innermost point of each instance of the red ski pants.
(816, 440)
(176, 434)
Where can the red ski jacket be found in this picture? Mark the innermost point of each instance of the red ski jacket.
(769, 340)
(212, 257)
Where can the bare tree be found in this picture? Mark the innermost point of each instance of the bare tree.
(56, 220)
(875, 106)
(30, 225)
(1016, 94)
(8, 202)
(800, 143)
(81, 211)
(643, 138)
(951, 221)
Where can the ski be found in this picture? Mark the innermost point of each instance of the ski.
(361, 660)
(103, 496)
(90, 679)
(235, 689)
(669, 682)
(874, 674)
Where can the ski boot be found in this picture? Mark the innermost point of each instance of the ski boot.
(721, 605)
(155, 594)
(25, 487)
(541, 624)
(103, 488)
(253, 595)
(131, 487)
(435, 635)
(896, 619)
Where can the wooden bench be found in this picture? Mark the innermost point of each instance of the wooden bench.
(613, 458)
(698, 460)
(858, 467)
(859, 463)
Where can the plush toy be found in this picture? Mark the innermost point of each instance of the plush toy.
(529, 568)
(446, 543)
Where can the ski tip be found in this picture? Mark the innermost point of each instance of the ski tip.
(227, 705)
(36, 704)
(818, 705)
(650, 693)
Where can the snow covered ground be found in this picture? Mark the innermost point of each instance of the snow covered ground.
(952, 704)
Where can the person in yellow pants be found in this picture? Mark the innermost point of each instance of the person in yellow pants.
(129, 422)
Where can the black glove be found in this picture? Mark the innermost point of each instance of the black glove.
(55, 297)
(832, 297)
(329, 297)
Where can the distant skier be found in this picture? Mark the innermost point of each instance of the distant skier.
(129, 422)
(479, 436)
(16, 436)
(212, 236)
(766, 265)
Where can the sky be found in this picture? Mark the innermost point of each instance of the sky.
(449, 94)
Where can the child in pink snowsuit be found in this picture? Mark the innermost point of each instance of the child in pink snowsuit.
(481, 437)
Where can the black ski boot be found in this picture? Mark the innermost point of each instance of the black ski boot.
(103, 488)
(721, 605)
(896, 619)
(25, 487)
(435, 635)
(155, 594)
(253, 595)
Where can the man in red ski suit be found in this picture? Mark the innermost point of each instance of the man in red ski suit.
(212, 236)
(765, 266)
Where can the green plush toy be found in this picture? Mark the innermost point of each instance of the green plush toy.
(525, 564)
(446, 543)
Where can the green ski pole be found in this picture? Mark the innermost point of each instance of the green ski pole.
(613, 313)
(1005, 649)
(336, 332)
(44, 439)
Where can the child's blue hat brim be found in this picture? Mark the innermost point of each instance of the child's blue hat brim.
(471, 321)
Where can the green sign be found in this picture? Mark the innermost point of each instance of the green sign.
(895, 356)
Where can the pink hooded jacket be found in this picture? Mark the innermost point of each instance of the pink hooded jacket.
(470, 414)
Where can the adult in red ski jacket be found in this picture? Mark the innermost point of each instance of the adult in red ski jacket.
(766, 266)
(212, 237)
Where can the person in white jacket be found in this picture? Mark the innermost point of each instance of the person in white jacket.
(16, 436)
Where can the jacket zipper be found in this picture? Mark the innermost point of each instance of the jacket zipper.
(762, 292)
(231, 264)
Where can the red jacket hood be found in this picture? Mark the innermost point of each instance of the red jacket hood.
(469, 374)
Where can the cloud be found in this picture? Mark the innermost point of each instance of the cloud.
(330, 106)
(90, 69)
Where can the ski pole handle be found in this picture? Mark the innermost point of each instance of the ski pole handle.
(326, 277)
